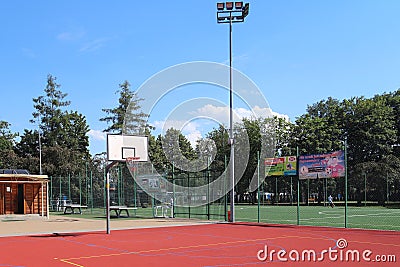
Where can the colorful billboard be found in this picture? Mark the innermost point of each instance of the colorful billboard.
(282, 166)
(329, 165)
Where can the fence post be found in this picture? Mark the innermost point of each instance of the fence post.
(298, 200)
(276, 191)
(226, 194)
(291, 191)
(298, 186)
(80, 189)
(87, 186)
(105, 189)
(345, 183)
(387, 188)
(86, 179)
(69, 187)
(365, 189)
(173, 195)
(189, 194)
(119, 184)
(208, 188)
(91, 192)
(60, 195)
(308, 192)
(134, 189)
(258, 186)
(51, 192)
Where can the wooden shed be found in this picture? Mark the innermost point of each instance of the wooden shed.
(24, 194)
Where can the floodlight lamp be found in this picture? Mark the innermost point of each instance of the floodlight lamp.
(239, 18)
(238, 5)
(221, 18)
(246, 9)
(229, 5)
(220, 6)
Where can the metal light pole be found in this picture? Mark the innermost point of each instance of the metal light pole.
(40, 148)
(231, 12)
(40, 154)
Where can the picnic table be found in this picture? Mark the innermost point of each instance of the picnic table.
(70, 208)
(119, 209)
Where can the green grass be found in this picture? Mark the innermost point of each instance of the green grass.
(357, 217)
(370, 217)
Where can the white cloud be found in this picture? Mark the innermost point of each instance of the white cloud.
(29, 52)
(97, 135)
(93, 45)
(193, 137)
(195, 129)
(70, 35)
(221, 114)
(237, 59)
(191, 130)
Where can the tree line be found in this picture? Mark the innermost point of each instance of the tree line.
(370, 127)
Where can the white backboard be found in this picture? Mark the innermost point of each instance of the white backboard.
(121, 147)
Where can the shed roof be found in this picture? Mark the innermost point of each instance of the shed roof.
(9, 178)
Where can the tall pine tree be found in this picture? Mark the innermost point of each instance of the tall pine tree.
(127, 116)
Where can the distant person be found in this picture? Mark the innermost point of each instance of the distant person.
(330, 200)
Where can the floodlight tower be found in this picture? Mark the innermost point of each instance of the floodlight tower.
(231, 12)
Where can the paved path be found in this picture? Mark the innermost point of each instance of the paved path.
(28, 225)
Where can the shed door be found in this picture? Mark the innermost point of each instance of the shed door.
(2, 199)
(21, 204)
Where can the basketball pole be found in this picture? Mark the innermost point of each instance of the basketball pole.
(108, 167)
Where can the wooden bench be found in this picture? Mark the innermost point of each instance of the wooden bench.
(119, 209)
(72, 208)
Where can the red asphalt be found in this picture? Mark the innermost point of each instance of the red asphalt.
(206, 245)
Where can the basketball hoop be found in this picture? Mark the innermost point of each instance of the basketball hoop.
(132, 163)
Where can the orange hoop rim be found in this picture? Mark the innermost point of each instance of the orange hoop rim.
(132, 159)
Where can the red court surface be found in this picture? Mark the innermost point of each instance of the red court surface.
(206, 245)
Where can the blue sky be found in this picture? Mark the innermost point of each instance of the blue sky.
(296, 52)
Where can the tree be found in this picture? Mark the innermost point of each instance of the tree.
(8, 159)
(126, 116)
(64, 137)
(49, 112)
(393, 100)
(75, 132)
(177, 149)
(6, 136)
(220, 138)
(320, 130)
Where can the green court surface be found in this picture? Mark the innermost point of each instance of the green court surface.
(374, 217)
(370, 217)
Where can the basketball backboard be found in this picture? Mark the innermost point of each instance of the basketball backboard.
(121, 147)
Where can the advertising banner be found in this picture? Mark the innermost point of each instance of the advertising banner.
(329, 165)
(282, 166)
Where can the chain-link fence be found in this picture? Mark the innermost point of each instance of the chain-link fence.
(373, 196)
(160, 201)
(373, 200)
